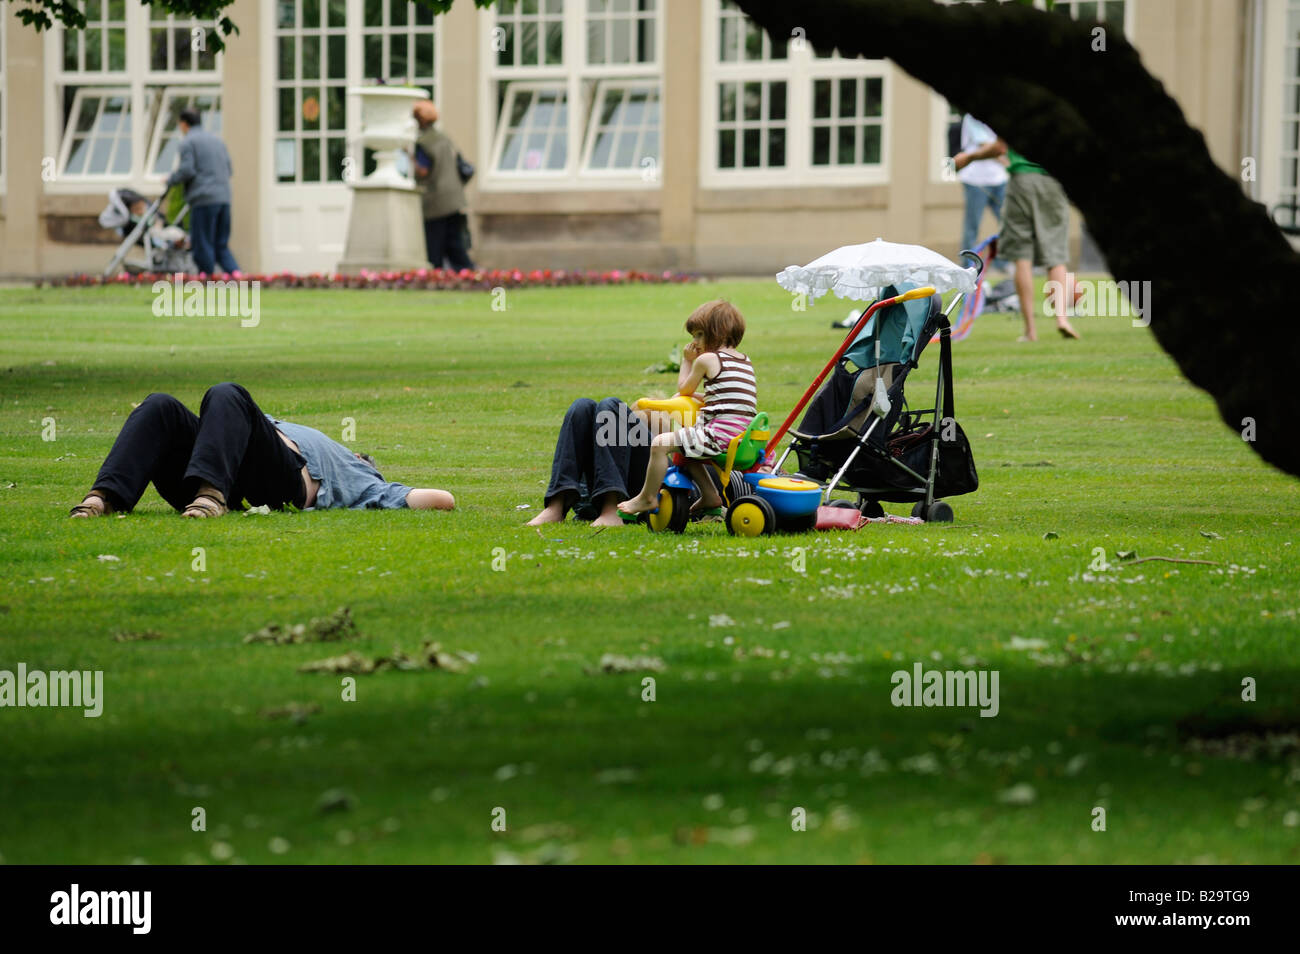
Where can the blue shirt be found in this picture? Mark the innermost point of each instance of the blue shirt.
(345, 479)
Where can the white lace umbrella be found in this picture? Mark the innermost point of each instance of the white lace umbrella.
(858, 272)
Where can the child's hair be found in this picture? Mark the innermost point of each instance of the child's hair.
(720, 321)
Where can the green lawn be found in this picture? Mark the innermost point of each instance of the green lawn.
(775, 691)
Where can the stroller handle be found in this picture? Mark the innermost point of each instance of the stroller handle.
(925, 291)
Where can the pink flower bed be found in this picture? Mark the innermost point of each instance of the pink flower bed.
(425, 278)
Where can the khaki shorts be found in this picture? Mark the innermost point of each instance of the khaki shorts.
(1035, 221)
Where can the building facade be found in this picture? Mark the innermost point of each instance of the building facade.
(606, 133)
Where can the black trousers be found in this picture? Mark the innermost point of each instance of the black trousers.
(443, 239)
(602, 448)
(230, 445)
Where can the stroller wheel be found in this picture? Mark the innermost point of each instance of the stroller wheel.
(940, 512)
(750, 516)
(918, 509)
(870, 508)
(843, 504)
(674, 511)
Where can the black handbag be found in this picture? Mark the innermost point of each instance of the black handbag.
(465, 168)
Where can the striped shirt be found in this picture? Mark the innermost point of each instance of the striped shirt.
(732, 393)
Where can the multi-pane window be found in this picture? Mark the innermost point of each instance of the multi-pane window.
(535, 120)
(179, 44)
(624, 133)
(101, 46)
(529, 32)
(741, 40)
(399, 44)
(119, 85)
(621, 31)
(848, 121)
(784, 112)
(576, 85)
(1289, 191)
(751, 125)
(311, 91)
(99, 133)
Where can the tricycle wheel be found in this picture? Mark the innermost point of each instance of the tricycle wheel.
(750, 516)
(674, 511)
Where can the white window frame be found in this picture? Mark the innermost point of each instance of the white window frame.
(172, 23)
(798, 70)
(582, 82)
(593, 132)
(939, 105)
(138, 79)
(385, 32)
(160, 124)
(65, 152)
(352, 50)
(498, 142)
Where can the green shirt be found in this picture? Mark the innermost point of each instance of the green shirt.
(1020, 164)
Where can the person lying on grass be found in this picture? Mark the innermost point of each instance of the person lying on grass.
(232, 452)
(730, 403)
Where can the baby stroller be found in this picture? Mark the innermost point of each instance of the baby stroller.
(140, 222)
(860, 434)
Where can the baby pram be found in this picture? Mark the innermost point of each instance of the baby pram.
(165, 246)
(860, 434)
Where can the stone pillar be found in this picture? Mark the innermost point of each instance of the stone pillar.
(243, 97)
(24, 143)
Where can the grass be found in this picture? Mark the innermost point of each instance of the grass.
(1100, 442)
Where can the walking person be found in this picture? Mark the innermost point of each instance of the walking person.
(984, 181)
(204, 169)
(1035, 231)
(438, 172)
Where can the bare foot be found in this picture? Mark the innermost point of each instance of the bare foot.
(637, 505)
(1066, 329)
(706, 504)
(608, 518)
(553, 513)
(1026, 339)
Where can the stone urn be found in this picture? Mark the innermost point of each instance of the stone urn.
(388, 127)
(386, 227)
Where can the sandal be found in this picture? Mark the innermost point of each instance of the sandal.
(85, 509)
(207, 504)
(709, 515)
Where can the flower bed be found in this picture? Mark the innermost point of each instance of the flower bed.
(421, 278)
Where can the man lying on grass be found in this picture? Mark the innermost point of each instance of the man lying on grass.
(232, 452)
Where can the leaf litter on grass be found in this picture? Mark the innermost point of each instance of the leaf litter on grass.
(431, 655)
(322, 629)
